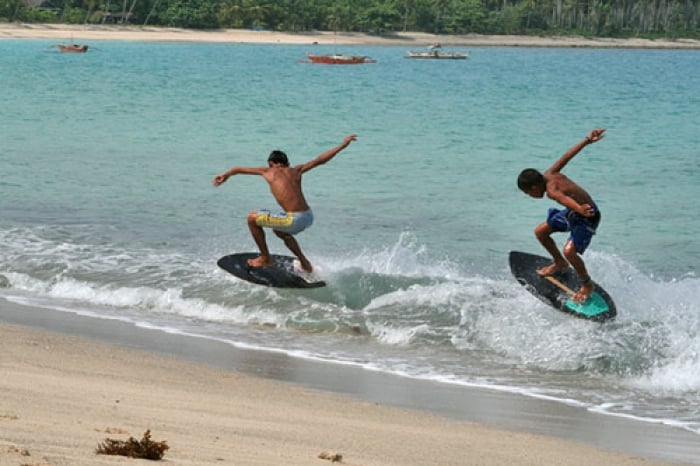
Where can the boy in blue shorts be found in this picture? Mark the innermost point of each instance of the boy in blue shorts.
(580, 216)
(285, 184)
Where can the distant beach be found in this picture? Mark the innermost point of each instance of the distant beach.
(82, 33)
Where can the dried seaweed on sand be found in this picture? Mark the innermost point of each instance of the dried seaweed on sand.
(144, 448)
(332, 457)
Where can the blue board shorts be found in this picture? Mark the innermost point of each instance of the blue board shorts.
(287, 222)
(582, 228)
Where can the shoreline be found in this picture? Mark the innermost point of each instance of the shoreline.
(295, 408)
(82, 33)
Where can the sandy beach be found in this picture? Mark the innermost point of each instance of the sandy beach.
(63, 394)
(83, 33)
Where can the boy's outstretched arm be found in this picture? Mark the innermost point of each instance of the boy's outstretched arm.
(222, 177)
(594, 135)
(326, 156)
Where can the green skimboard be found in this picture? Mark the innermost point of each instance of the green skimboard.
(558, 289)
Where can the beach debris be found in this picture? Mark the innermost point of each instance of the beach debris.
(332, 457)
(144, 449)
(113, 430)
(18, 451)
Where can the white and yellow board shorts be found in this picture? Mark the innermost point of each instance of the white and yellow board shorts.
(288, 222)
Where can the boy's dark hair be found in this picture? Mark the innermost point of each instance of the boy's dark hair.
(529, 178)
(277, 156)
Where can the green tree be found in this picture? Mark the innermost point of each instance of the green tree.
(469, 17)
(195, 14)
(657, 18)
(230, 14)
(9, 9)
(382, 17)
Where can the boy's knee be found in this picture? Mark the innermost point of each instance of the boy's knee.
(570, 250)
(252, 217)
(542, 231)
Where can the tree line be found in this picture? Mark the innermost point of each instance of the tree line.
(599, 18)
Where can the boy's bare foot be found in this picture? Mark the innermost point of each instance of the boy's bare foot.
(305, 265)
(553, 268)
(261, 261)
(584, 292)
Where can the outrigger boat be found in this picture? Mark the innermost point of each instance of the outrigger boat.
(339, 59)
(72, 48)
(435, 53)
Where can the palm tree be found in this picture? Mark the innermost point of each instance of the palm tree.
(153, 8)
(407, 7)
(257, 14)
(440, 9)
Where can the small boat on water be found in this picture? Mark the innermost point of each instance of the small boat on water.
(72, 48)
(434, 52)
(339, 59)
(437, 55)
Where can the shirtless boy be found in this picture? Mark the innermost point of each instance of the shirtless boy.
(285, 184)
(581, 216)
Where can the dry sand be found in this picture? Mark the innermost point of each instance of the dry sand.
(86, 33)
(62, 395)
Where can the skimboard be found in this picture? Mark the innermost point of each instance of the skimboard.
(558, 290)
(280, 275)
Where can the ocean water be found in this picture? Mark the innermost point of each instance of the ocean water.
(107, 207)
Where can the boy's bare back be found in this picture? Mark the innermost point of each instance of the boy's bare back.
(285, 185)
(559, 187)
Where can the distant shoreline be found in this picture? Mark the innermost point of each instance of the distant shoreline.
(84, 33)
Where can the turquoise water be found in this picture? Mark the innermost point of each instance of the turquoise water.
(107, 208)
